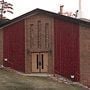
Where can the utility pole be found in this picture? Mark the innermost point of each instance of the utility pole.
(5, 7)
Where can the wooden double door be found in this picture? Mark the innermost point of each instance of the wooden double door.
(39, 62)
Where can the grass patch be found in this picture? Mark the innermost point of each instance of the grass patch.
(13, 81)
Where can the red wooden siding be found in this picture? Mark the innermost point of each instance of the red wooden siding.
(67, 49)
(14, 46)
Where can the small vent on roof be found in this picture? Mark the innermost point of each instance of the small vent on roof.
(61, 9)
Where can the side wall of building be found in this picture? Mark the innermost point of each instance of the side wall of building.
(85, 54)
(14, 46)
(66, 48)
(1, 47)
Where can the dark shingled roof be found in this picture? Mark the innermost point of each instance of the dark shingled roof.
(40, 11)
(3, 21)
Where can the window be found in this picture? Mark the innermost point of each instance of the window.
(46, 35)
(31, 35)
(39, 34)
(42, 62)
(37, 61)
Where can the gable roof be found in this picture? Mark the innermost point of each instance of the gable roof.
(40, 11)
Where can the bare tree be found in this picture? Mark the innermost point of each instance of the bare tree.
(5, 7)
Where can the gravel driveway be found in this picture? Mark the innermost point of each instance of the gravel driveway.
(13, 81)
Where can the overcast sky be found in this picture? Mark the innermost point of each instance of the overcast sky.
(23, 6)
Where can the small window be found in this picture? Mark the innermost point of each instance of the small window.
(42, 62)
(37, 61)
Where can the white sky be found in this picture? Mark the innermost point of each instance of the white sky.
(23, 6)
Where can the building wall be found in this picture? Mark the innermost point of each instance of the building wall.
(85, 54)
(14, 46)
(1, 47)
(32, 42)
(66, 48)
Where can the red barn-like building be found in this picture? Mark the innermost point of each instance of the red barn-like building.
(45, 42)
